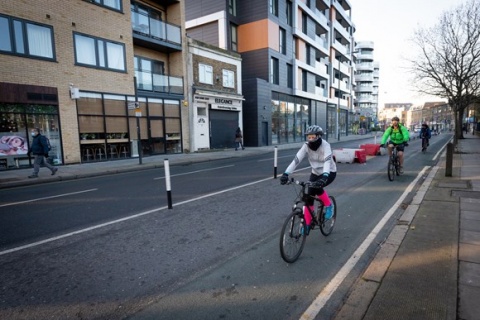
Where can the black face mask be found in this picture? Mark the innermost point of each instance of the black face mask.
(314, 145)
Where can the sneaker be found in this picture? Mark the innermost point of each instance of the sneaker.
(400, 170)
(54, 171)
(33, 176)
(329, 212)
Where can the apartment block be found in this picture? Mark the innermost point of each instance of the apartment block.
(86, 73)
(367, 82)
(296, 60)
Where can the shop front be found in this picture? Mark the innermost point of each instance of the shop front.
(216, 118)
(23, 108)
(109, 129)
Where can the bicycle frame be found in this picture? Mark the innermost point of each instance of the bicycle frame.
(393, 167)
(424, 144)
(303, 197)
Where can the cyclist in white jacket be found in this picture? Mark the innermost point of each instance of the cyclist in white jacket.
(324, 169)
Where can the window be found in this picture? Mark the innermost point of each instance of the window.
(283, 41)
(99, 53)
(149, 74)
(205, 73)
(273, 7)
(233, 38)
(232, 7)
(308, 53)
(26, 39)
(304, 81)
(113, 4)
(274, 70)
(289, 9)
(304, 23)
(228, 78)
(289, 75)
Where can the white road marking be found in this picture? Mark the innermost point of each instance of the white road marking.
(441, 150)
(45, 198)
(197, 171)
(314, 309)
(271, 159)
(63, 236)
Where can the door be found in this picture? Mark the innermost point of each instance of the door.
(223, 125)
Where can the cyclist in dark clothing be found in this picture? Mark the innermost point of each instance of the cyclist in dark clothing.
(425, 133)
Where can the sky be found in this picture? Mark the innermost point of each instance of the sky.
(390, 24)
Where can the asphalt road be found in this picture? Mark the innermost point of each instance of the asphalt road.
(109, 248)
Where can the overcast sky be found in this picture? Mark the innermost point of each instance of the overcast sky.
(390, 24)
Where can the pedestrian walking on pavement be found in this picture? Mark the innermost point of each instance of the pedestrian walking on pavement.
(39, 149)
(238, 139)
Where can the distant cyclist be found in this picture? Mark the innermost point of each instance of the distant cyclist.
(398, 136)
(324, 170)
(426, 134)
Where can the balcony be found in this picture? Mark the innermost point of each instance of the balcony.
(368, 55)
(155, 34)
(341, 30)
(364, 77)
(148, 81)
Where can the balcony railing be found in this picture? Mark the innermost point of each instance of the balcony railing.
(149, 81)
(156, 29)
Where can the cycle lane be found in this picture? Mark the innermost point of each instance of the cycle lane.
(429, 266)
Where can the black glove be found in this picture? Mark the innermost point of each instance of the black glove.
(405, 144)
(284, 178)
(322, 182)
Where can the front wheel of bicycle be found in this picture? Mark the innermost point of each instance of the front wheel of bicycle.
(391, 170)
(326, 225)
(292, 237)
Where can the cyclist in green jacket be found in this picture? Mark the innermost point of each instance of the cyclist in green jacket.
(398, 136)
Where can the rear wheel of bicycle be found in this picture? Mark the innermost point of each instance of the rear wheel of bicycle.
(292, 237)
(391, 170)
(326, 225)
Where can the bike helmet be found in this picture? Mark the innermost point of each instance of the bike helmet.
(318, 131)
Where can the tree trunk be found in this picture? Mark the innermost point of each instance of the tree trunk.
(460, 119)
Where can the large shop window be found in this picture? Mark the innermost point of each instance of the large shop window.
(290, 117)
(108, 128)
(26, 38)
(16, 122)
(99, 53)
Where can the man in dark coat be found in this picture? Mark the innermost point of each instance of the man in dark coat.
(39, 149)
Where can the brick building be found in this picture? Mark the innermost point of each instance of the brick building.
(68, 67)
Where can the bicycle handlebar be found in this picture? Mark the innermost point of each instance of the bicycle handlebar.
(298, 182)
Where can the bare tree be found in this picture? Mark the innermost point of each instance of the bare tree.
(448, 64)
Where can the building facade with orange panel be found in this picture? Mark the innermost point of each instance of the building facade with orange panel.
(297, 64)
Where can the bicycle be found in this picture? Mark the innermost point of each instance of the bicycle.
(293, 235)
(424, 144)
(393, 167)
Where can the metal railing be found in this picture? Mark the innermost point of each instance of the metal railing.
(155, 28)
(149, 81)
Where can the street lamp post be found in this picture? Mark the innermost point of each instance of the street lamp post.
(337, 133)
